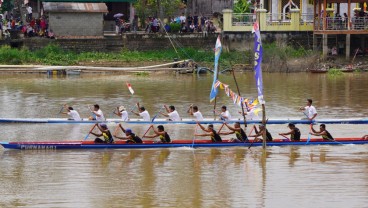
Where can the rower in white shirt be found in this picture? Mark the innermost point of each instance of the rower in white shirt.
(97, 113)
(193, 110)
(74, 115)
(171, 113)
(310, 110)
(225, 115)
(143, 113)
(123, 113)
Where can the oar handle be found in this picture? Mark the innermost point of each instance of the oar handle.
(93, 127)
(284, 137)
(223, 124)
(146, 132)
(61, 109)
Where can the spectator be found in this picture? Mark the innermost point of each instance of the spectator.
(135, 23)
(29, 11)
(167, 28)
(192, 27)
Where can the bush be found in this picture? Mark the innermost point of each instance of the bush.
(175, 27)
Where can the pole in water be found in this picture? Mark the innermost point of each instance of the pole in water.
(241, 103)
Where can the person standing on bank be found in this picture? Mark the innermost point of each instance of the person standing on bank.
(294, 133)
(309, 110)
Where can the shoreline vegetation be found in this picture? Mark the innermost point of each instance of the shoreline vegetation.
(276, 58)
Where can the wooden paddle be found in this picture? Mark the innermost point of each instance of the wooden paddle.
(61, 110)
(90, 131)
(146, 131)
(154, 117)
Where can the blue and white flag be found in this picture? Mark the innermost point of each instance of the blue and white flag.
(218, 49)
(258, 61)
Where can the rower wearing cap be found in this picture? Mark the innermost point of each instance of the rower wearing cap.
(238, 131)
(215, 137)
(261, 131)
(161, 133)
(322, 132)
(105, 133)
(130, 137)
(122, 113)
(294, 132)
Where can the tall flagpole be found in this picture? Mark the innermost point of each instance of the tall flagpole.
(214, 91)
(241, 101)
(258, 50)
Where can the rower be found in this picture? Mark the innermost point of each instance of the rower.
(259, 133)
(171, 113)
(310, 110)
(215, 137)
(122, 113)
(322, 132)
(161, 133)
(105, 132)
(238, 131)
(225, 115)
(72, 113)
(294, 133)
(97, 113)
(193, 110)
(130, 137)
(143, 113)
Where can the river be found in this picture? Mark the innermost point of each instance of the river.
(309, 176)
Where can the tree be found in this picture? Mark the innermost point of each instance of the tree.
(157, 8)
(242, 6)
(7, 5)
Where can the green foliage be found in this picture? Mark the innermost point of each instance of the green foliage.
(7, 5)
(242, 6)
(55, 55)
(175, 27)
(333, 72)
(146, 8)
(143, 74)
(13, 56)
(284, 51)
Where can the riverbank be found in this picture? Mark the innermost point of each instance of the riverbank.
(275, 59)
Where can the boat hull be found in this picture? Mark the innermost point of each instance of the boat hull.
(184, 121)
(174, 144)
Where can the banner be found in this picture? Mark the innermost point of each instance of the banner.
(258, 61)
(218, 49)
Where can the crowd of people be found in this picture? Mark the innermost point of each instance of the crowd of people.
(293, 134)
(188, 24)
(33, 27)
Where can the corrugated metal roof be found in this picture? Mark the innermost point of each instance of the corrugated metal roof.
(74, 7)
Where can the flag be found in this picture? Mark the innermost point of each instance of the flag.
(130, 88)
(218, 49)
(257, 61)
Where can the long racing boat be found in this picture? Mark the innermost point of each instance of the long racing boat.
(183, 121)
(52, 145)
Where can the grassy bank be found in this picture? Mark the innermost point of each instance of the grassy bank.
(54, 55)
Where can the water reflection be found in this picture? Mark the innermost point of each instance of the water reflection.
(190, 177)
